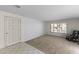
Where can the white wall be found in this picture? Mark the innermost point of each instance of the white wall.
(72, 24)
(1, 32)
(31, 28)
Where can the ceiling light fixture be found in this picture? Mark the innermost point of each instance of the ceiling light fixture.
(17, 6)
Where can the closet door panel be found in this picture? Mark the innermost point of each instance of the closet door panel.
(12, 33)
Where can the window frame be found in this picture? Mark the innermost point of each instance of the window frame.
(65, 31)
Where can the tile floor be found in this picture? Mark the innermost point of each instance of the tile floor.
(20, 48)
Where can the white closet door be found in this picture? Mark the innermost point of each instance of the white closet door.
(12, 30)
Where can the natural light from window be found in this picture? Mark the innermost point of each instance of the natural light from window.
(58, 27)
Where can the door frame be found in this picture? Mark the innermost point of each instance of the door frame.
(5, 44)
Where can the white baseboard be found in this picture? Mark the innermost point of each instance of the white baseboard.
(32, 37)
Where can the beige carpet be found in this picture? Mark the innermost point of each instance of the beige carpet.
(54, 45)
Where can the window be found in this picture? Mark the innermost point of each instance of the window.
(58, 27)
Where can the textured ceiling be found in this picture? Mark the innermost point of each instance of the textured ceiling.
(44, 12)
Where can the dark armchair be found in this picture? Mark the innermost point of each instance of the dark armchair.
(74, 36)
